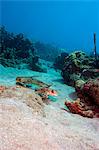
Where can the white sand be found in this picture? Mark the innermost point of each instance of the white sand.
(20, 129)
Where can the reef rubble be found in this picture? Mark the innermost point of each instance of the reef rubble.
(81, 71)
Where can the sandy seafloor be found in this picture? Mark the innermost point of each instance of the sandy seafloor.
(20, 129)
(53, 77)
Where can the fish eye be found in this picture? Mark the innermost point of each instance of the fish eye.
(52, 91)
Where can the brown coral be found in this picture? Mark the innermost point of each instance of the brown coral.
(79, 66)
(87, 104)
(90, 91)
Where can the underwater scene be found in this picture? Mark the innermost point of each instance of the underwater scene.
(49, 75)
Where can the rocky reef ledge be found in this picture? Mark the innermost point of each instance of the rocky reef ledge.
(27, 123)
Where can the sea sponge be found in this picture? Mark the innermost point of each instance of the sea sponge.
(77, 108)
(87, 104)
(92, 89)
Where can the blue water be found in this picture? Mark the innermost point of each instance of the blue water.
(66, 24)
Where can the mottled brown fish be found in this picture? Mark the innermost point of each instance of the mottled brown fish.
(30, 80)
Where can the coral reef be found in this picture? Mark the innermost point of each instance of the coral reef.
(89, 91)
(59, 61)
(79, 66)
(47, 51)
(16, 50)
(87, 103)
(77, 108)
